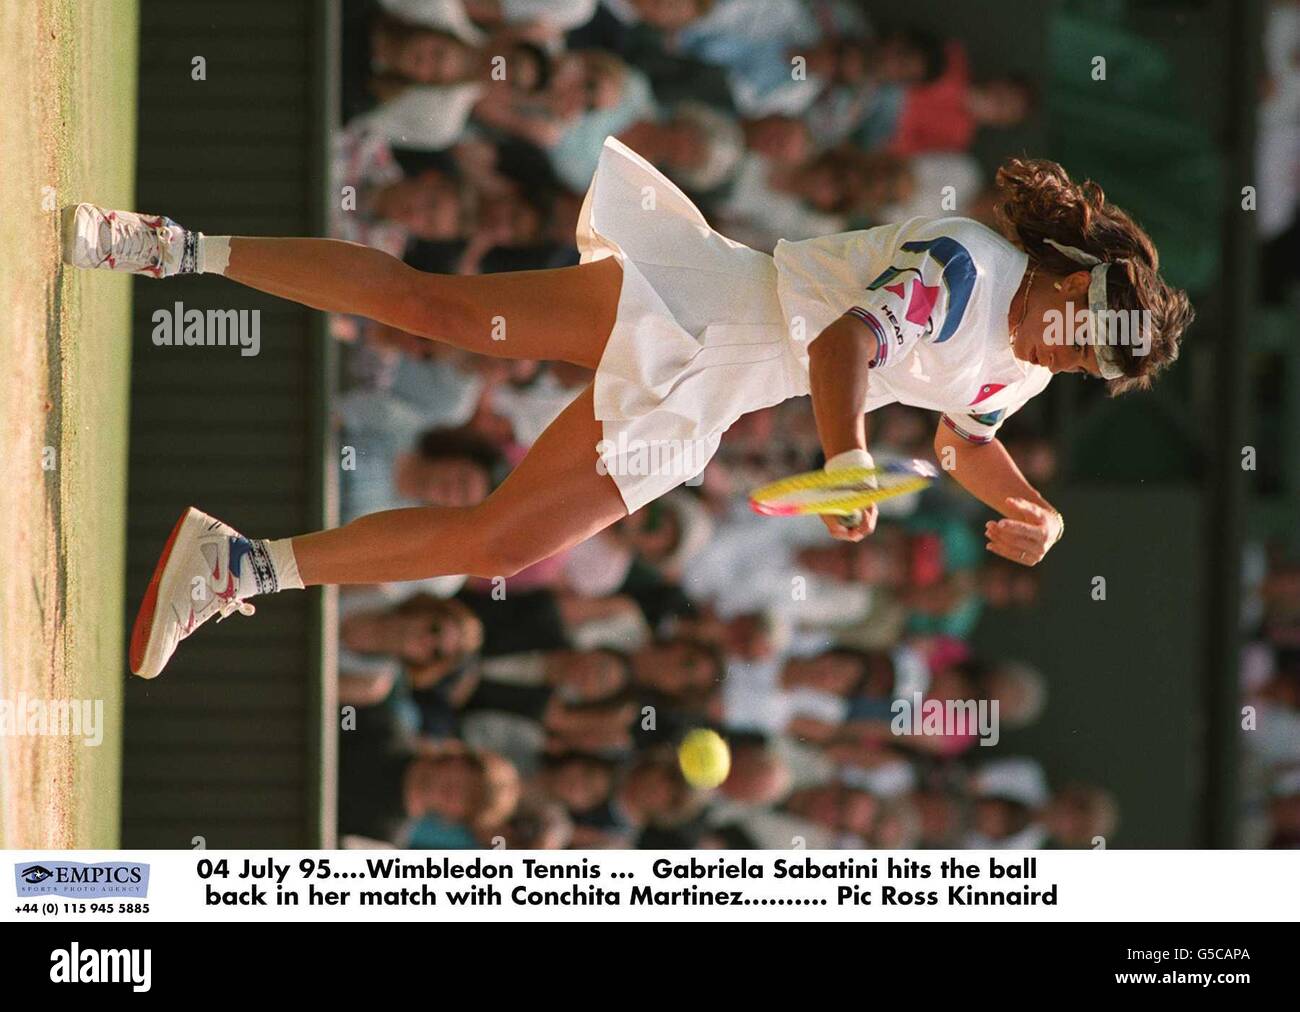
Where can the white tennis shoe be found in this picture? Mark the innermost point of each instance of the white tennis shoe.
(95, 238)
(197, 577)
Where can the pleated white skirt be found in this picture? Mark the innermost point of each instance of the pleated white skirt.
(700, 338)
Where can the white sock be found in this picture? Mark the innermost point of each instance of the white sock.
(213, 256)
(264, 567)
(285, 564)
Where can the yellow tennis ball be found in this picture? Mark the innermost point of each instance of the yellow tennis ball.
(704, 758)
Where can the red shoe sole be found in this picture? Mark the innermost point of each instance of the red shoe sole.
(144, 617)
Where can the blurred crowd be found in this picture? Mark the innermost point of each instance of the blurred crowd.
(1270, 667)
(545, 711)
(1277, 152)
(1270, 687)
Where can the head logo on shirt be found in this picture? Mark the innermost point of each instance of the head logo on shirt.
(986, 391)
(957, 279)
(920, 301)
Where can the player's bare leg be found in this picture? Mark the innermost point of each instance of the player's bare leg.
(564, 314)
(553, 500)
(544, 314)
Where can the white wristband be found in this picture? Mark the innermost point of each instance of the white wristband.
(852, 458)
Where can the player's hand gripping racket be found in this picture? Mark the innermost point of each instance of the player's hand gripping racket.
(845, 492)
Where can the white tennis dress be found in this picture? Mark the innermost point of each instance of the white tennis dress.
(708, 329)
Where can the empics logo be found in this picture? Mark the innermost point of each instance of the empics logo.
(110, 879)
(75, 965)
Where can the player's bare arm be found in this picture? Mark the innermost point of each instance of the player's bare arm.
(839, 368)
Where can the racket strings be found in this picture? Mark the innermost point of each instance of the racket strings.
(836, 492)
(812, 481)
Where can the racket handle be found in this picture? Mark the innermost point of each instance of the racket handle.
(847, 459)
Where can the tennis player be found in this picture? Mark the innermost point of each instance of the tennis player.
(686, 331)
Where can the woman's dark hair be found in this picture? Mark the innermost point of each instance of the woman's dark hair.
(1037, 201)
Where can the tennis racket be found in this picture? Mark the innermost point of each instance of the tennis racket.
(844, 493)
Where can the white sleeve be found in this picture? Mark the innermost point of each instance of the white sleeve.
(898, 316)
(814, 282)
(973, 428)
(896, 292)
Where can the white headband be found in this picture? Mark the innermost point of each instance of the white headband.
(1098, 305)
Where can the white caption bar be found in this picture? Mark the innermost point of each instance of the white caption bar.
(792, 885)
